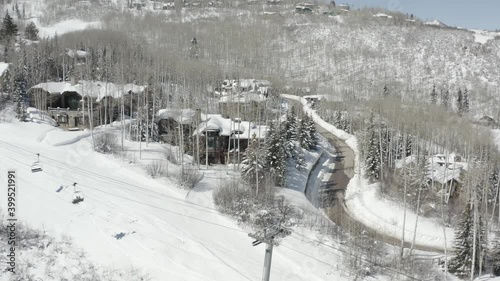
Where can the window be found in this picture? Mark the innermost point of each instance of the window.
(211, 142)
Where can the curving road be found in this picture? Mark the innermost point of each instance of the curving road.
(335, 189)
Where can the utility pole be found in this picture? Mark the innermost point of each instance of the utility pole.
(268, 236)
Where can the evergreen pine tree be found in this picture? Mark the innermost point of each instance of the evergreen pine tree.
(408, 145)
(285, 136)
(275, 155)
(465, 104)
(253, 163)
(7, 84)
(31, 32)
(21, 86)
(461, 262)
(337, 118)
(9, 28)
(311, 128)
(303, 134)
(372, 151)
(386, 91)
(291, 125)
(460, 102)
(434, 95)
(446, 99)
(18, 11)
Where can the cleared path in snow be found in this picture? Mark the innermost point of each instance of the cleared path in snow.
(337, 184)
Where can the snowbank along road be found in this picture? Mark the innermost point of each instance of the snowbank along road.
(337, 185)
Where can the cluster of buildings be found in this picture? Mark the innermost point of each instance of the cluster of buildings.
(91, 103)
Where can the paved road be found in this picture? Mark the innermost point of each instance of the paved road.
(336, 187)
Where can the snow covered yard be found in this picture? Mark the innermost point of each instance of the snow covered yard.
(129, 219)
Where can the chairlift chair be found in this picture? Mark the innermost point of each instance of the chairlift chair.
(37, 166)
(77, 195)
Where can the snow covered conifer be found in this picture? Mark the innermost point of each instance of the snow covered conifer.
(337, 118)
(445, 99)
(275, 155)
(465, 104)
(460, 102)
(9, 28)
(6, 85)
(461, 263)
(20, 88)
(372, 152)
(311, 128)
(434, 95)
(31, 32)
(291, 125)
(253, 163)
(386, 91)
(303, 134)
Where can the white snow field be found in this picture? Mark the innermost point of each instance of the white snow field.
(379, 214)
(131, 220)
(63, 27)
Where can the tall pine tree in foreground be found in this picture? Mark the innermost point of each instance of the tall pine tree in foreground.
(253, 170)
(275, 155)
(461, 263)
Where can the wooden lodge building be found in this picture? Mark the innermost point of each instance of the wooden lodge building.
(221, 139)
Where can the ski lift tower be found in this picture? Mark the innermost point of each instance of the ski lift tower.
(268, 236)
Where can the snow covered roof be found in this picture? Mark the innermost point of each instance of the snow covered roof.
(228, 127)
(99, 90)
(444, 174)
(94, 89)
(250, 84)
(79, 54)
(55, 87)
(243, 90)
(442, 169)
(382, 15)
(435, 23)
(3, 67)
(183, 116)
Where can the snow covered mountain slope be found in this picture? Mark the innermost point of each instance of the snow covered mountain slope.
(128, 219)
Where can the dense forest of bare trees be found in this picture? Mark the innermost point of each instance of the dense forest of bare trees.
(406, 104)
